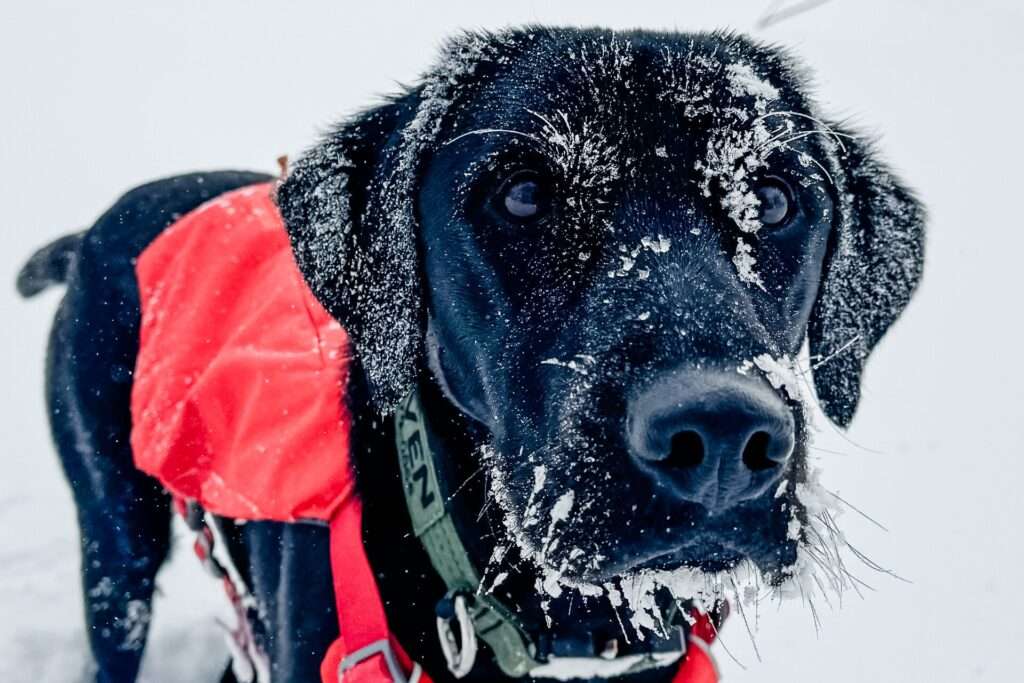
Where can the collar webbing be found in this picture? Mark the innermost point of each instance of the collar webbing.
(427, 497)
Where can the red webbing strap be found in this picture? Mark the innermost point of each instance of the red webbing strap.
(698, 666)
(362, 622)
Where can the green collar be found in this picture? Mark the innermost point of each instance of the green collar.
(428, 496)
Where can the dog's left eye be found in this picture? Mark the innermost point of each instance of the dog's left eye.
(776, 202)
(523, 197)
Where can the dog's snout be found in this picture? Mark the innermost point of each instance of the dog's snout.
(711, 437)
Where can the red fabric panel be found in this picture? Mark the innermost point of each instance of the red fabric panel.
(238, 392)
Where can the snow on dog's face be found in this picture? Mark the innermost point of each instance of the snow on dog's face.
(609, 248)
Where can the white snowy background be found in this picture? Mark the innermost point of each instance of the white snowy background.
(98, 96)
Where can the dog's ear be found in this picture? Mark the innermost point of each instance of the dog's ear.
(875, 260)
(349, 205)
(359, 257)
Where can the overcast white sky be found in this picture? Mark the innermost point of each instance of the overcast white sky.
(99, 96)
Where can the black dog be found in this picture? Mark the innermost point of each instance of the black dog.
(596, 255)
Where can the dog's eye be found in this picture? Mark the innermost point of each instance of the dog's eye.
(776, 202)
(523, 197)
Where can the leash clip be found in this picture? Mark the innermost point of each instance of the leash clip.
(460, 654)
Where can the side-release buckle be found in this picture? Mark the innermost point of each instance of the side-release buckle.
(384, 649)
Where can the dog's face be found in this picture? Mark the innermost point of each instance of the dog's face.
(609, 249)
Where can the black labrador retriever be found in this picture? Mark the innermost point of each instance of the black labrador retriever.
(597, 255)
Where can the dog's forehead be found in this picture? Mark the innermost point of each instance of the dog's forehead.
(639, 84)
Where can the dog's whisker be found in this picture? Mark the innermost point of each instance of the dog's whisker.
(815, 617)
(857, 510)
(838, 136)
(829, 522)
(779, 11)
(808, 157)
(857, 583)
(829, 358)
(743, 615)
(465, 482)
(871, 564)
(824, 593)
(777, 134)
(827, 566)
(721, 641)
(489, 131)
(827, 450)
(778, 141)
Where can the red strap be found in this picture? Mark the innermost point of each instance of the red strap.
(698, 666)
(361, 616)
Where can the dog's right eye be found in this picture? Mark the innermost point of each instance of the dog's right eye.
(776, 201)
(524, 197)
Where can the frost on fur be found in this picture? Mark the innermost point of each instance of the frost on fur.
(820, 574)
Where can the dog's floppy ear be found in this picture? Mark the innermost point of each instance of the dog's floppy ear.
(875, 261)
(349, 207)
(359, 260)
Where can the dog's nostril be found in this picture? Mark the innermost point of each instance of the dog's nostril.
(687, 450)
(755, 452)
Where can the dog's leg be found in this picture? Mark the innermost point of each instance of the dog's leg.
(123, 514)
(290, 573)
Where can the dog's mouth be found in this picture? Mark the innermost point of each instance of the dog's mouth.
(760, 535)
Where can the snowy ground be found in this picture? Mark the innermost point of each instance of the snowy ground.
(99, 96)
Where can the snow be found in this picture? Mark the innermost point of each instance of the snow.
(569, 668)
(781, 374)
(744, 261)
(941, 471)
(744, 82)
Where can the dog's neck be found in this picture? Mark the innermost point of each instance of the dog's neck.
(408, 583)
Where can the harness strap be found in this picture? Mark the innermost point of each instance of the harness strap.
(366, 651)
(249, 663)
(698, 666)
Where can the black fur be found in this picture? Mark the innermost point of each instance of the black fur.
(636, 278)
(48, 266)
(874, 266)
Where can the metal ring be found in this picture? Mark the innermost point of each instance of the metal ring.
(460, 660)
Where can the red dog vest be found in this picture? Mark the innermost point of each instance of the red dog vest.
(238, 404)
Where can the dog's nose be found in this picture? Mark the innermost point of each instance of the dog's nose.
(711, 437)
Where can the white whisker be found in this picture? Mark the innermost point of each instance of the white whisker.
(488, 131)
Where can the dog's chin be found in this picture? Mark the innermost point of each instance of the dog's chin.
(758, 539)
(710, 558)
(715, 558)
